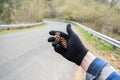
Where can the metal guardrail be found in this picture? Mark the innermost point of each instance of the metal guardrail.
(101, 36)
(109, 40)
(19, 25)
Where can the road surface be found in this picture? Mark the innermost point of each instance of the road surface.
(27, 55)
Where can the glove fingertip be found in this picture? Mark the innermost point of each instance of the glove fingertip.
(69, 29)
(68, 25)
(51, 39)
(54, 44)
(52, 32)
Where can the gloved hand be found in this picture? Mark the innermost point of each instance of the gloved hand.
(75, 51)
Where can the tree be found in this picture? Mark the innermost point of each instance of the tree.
(113, 2)
(5, 11)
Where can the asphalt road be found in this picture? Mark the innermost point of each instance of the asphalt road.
(27, 55)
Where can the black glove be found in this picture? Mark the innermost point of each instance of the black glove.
(75, 51)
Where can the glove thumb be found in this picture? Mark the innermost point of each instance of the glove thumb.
(69, 30)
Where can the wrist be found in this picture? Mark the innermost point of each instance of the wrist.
(81, 54)
(87, 60)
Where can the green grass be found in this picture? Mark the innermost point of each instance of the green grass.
(21, 29)
(98, 43)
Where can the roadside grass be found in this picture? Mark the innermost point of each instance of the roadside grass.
(97, 43)
(21, 29)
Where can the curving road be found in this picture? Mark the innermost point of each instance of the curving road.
(27, 55)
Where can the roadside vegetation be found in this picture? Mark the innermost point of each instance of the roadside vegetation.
(100, 15)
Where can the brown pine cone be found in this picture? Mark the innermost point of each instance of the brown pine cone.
(60, 40)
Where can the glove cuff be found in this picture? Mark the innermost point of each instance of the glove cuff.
(81, 56)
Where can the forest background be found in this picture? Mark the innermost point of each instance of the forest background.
(100, 15)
